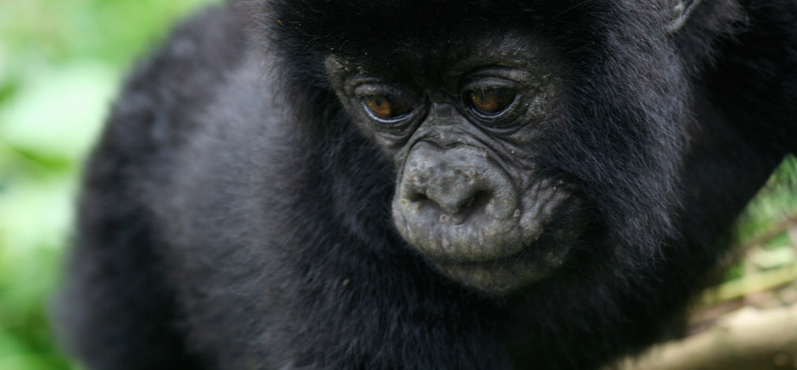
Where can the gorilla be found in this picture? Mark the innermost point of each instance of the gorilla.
(425, 184)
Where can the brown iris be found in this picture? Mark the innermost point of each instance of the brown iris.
(386, 106)
(491, 100)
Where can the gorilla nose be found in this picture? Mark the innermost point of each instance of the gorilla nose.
(456, 192)
(459, 181)
(457, 205)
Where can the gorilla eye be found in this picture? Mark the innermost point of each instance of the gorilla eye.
(386, 107)
(490, 100)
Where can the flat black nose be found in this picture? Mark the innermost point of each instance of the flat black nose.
(457, 205)
(454, 180)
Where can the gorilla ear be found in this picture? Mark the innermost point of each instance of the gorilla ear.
(680, 11)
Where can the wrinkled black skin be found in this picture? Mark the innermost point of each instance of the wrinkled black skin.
(233, 216)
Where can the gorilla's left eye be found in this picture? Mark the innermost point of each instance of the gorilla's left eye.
(490, 100)
(386, 107)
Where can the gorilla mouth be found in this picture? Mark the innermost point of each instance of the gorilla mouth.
(507, 274)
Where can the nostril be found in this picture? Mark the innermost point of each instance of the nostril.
(471, 206)
(454, 206)
(477, 201)
(419, 200)
(417, 197)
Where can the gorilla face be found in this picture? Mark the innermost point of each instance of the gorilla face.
(466, 144)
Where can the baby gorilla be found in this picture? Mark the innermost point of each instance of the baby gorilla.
(416, 184)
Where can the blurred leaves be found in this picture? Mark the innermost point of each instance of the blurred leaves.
(61, 62)
(774, 203)
(59, 112)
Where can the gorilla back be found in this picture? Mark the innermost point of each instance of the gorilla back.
(424, 184)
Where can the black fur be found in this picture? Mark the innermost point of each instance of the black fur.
(233, 216)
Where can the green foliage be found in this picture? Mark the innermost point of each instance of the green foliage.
(61, 62)
(775, 203)
(763, 227)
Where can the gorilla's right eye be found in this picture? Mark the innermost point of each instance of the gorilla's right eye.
(386, 107)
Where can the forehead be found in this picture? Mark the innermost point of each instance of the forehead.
(448, 57)
(423, 38)
(362, 25)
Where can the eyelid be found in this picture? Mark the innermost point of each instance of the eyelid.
(372, 89)
(370, 86)
(512, 75)
(489, 81)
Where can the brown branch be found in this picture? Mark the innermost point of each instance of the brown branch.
(748, 339)
(754, 283)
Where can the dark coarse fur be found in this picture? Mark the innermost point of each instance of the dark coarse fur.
(233, 217)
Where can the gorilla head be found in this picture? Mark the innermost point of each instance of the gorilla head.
(509, 148)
